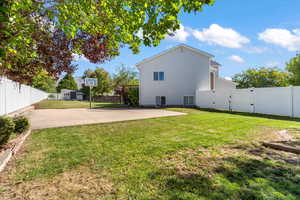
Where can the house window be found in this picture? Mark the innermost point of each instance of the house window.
(212, 80)
(160, 100)
(159, 76)
(188, 100)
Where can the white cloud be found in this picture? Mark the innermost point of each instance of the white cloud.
(228, 78)
(282, 37)
(255, 49)
(272, 64)
(218, 35)
(76, 57)
(179, 35)
(140, 34)
(236, 58)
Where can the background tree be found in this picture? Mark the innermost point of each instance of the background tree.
(44, 82)
(95, 29)
(125, 76)
(262, 77)
(103, 78)
(104, 82)
(293, 66)
(125, 80)
(67, 82)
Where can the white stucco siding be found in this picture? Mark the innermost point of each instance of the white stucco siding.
(184, 71)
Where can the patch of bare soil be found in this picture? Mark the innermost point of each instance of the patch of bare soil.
(204, 161)
(289, 141)
(73, 184)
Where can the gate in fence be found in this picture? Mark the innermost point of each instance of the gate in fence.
(283, 101)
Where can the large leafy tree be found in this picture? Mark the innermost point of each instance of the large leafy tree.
(262, 77)
(30, 43)
(96, 29)
(43, 81)
(67, 82)
(293, 66)
(103, 78)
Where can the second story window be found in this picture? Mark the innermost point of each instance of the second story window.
(159, 76)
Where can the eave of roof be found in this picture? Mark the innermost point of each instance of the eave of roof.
(212, 62)
(172, 49)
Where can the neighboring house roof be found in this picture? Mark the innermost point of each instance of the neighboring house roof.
(214, 63)
(203, 53)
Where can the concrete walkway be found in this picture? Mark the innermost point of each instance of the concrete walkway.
(50, 118)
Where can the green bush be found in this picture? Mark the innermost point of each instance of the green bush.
(7, 127)
(21, 124)
(51, 96)
(133, 97)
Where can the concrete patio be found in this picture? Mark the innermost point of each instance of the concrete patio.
(50, 118)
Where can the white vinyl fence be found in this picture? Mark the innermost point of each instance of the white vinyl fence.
(14, 96)
(283, 101)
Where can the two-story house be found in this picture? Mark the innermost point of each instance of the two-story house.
(173, 76)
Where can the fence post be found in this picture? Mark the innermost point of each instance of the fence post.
(5, 96)
(292, 101)
(252, 96)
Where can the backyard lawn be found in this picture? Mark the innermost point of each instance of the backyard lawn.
(57, 104)
(201, 155)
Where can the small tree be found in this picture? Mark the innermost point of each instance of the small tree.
(293, 66)
(262, 77)
(104, 82)
(133, 96)
(103, 78)
(125, 76)
(68, 82)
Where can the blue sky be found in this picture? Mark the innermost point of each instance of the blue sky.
(241, 35)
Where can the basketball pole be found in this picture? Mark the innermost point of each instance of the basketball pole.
(90, 97)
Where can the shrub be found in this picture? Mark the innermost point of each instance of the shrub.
(51, 96)
(7, 127)
(21, 124)
(133, 97)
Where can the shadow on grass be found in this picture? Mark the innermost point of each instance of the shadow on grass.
(108, 105)
(234, 177)
(275, 117)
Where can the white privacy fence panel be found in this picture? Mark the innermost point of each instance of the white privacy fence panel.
(283, 101)
(205, 99)
(296, 101)
(222, 100)
(14, 96)
(212, 99)
(274, 101)
(242, 100)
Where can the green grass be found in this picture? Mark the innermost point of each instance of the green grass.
(54, 104)
(201, 155)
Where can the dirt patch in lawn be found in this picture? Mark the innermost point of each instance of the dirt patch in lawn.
(231, 172)
(78, 183)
